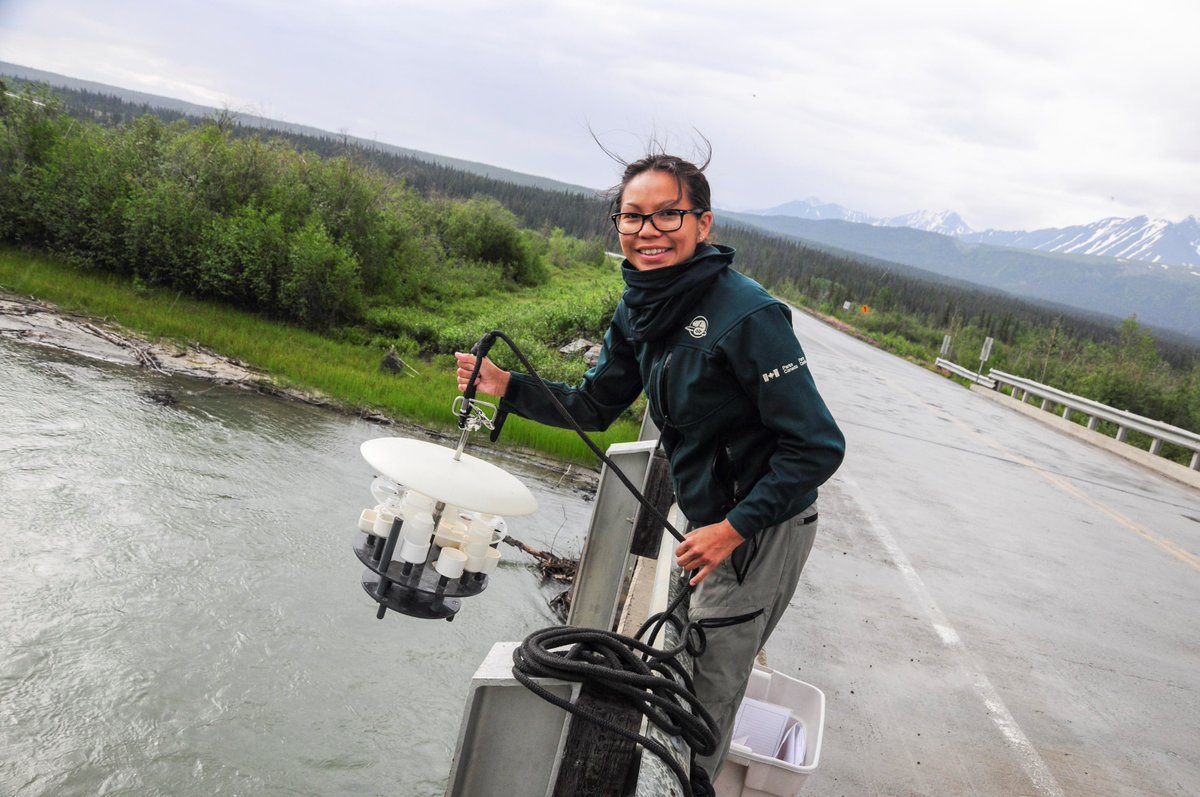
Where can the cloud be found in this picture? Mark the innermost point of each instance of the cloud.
(1016, 114)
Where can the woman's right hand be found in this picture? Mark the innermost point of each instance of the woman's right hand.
(492, 379)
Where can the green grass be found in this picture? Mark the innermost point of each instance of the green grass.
(347, 373)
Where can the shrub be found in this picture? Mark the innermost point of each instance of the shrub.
(164, 226)
(483, 230)
(322, 286)
(245, 259)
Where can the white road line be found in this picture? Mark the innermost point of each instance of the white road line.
(1027, 755)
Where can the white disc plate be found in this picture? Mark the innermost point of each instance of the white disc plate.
(468, 482)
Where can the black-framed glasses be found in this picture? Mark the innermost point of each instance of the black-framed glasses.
(663, 220)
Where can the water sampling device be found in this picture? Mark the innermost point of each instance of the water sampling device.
(440, 512)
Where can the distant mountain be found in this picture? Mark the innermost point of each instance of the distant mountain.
(1158, 296)
(947, 222)
(815, 209)
(1140, 238)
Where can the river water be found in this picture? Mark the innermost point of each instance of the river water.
(180, 607)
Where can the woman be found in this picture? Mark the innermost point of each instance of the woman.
(748, 436)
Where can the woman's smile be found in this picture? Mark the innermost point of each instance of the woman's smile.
(651, 248)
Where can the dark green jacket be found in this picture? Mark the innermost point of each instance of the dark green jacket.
(748, 435)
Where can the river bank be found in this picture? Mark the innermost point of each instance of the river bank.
(34, 321)
(342, 368)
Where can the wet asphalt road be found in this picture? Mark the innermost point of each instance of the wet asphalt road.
(992, 607)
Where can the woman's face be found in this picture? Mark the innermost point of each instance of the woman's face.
(650, 249)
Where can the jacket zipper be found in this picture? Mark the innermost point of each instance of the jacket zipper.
(737, 487)
(662, 387)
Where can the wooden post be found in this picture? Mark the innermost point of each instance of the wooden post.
(647, 532)
(595, 761)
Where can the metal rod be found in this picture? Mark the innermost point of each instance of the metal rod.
(462, 443)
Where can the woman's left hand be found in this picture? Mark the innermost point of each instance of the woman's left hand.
(707, 547)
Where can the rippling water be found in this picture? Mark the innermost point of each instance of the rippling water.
(180, 608)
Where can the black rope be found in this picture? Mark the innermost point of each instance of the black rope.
(657, 686)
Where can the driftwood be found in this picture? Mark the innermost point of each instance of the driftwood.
(105, 335)
(553, 568)
(556, 569)
(143, 354)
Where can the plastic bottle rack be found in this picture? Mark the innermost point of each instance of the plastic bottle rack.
(423, 556)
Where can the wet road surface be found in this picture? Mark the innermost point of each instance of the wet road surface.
(992, 607)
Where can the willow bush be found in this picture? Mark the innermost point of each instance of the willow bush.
(255, 223)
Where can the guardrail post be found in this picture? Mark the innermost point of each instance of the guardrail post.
(1066, 413)
(1122, 434)
(1046, 404)
(1093, 422)
(1196, 461)
(1156, 446)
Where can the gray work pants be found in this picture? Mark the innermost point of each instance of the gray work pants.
(722, 673)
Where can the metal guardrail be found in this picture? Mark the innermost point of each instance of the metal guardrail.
(1158, 431)
(966, 373)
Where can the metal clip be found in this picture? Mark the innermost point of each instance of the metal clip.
(478, 415)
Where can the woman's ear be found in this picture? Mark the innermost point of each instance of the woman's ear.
(704, 226)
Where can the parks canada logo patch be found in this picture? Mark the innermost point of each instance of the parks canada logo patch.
(698, 328)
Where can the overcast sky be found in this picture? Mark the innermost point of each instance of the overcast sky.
(1017, 114)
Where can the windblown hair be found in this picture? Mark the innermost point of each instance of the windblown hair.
(690, 176)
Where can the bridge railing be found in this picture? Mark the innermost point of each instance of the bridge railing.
(966, 373)
(1028, 391)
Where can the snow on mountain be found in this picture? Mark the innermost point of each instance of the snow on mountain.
(947, 222)
(1140, 238)
(1143, 239)
(814, 208)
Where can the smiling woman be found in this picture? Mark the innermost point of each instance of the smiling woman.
(747, 434)
(673, 232)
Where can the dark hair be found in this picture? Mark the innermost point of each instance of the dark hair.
(689, 176)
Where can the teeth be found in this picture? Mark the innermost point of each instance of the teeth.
(653, 251)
